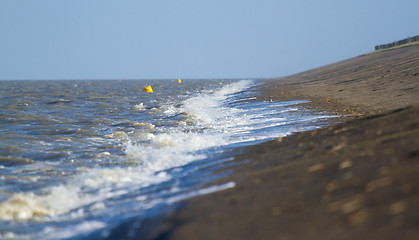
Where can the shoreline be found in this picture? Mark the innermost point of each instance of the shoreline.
(360, 86)
(358, 178)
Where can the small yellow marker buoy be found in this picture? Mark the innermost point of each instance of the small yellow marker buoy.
(179, 81)
(148, 89)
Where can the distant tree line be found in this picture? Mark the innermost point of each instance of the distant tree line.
(401, 42)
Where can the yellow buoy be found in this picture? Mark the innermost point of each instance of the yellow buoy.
(148, 89)
(179, 81)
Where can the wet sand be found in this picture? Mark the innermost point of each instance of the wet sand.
(357, 179)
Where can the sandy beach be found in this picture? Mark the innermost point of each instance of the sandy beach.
(357, 179)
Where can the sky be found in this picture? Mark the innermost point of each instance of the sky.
(191, 39)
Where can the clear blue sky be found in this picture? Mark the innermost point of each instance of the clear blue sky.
(160, 39)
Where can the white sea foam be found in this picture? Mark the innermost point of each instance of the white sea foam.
(140, 107)
(209, 108)
(71, 231)
(77, 192)
(203, 191)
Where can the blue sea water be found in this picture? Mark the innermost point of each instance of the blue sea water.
(80, 157)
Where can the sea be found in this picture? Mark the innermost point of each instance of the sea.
(79, 158)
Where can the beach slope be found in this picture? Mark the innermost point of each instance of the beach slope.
(357, 179)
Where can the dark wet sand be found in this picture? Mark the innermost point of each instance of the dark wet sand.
(357, 179)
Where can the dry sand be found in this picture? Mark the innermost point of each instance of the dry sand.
(357, 179)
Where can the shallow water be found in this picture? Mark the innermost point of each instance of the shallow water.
(80, 157)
